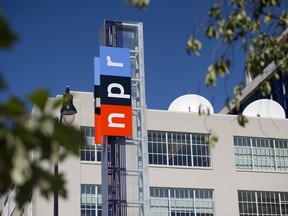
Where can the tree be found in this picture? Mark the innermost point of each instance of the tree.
(252, 26)
(26, 145)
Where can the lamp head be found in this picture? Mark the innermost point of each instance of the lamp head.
(68, 109)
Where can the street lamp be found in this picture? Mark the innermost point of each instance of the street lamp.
(68, 110)
(68, 113)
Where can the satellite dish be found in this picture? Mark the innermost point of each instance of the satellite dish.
(191, 103)
(265, 108)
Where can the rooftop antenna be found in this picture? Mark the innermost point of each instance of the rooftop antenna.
(191, 103)
(264, 108)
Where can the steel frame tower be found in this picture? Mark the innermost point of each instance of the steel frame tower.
(115, 174)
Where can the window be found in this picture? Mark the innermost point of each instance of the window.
(91, 200)
(262, 203)
(90, 151)
(181, 202)
(261, 153)
(178, 149)
(130, 37)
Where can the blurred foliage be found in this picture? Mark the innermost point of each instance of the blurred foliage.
(29, 143)
(7, 37)
(251, 26)
(212, 139)
(193, 45)
(142, 4)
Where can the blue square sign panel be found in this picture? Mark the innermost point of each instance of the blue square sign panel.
(115, 61)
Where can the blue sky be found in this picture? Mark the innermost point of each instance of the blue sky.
(59, 38)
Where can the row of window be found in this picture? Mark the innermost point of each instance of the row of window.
(164, 201)
(91, 200)
(261, 153)
(171, 149)
(178, 149)
(192, 202)
(262, 203)
(192, 150)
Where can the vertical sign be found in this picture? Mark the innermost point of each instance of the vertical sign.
(112, 85)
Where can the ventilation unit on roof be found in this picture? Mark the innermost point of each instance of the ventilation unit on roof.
(191, 103)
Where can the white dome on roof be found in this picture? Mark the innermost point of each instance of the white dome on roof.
(264, 108)
(191, 103)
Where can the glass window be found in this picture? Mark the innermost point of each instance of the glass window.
(91, 200)
(178, 202)
(90, 151)
(281, 154)
(261, 153)
(129, 37)
(178, 149)
(262, 203)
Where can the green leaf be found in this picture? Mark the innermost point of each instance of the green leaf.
(21, 171)
(242, 120)
(210, 79)
(12, 108)
(283, 20)
(46, 125)
(7, 37)
(267, 19)
(141, 4)
(238, 89)
(69, 137)
(215, 12)
(213, 139)
(39, 98)
(265, 88)
(193, 45)
(57, 103)
(2, 82)
(211, 32)
(236, 102)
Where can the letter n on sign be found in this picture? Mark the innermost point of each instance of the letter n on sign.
(116, 120)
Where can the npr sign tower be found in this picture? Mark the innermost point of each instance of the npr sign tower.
(120, 118)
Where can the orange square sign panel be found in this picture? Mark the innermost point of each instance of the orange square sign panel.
(116, 120)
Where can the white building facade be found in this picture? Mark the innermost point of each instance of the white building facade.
(245, 173)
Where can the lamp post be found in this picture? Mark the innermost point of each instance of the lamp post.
(67, 112)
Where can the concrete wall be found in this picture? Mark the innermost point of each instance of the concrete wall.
(223, 176)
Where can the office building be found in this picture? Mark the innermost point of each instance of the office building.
(246, 173)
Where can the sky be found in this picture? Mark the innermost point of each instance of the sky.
(58, 40)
